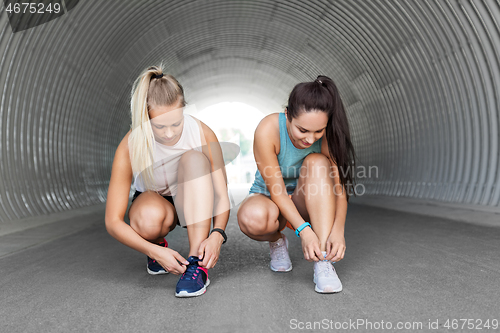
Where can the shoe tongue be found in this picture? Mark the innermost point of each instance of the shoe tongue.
(193, 259)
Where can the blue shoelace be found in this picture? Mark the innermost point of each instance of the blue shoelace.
(191, 269)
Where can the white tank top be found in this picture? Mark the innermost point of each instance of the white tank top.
(166, 158)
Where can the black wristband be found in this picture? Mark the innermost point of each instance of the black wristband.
(220, 231)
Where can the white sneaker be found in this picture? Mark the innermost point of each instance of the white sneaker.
(326, 278)
(280, 260)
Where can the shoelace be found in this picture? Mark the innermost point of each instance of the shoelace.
(279, 249)
(324, 268)
(192, 271)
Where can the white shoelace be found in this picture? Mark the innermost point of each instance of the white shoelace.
(324, 268)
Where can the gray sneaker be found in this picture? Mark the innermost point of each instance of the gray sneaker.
(280, 260)
(326, 278)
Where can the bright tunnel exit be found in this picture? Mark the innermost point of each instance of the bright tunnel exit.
(235, 122)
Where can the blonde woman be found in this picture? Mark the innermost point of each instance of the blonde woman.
(178, 171)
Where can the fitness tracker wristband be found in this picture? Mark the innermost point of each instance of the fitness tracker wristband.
(220, 231)
(302, 227)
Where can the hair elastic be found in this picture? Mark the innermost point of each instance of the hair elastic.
(157, 76)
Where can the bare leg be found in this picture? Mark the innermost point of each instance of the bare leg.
(152, 217)
(259, 218)
(314, 196)
(195, 197)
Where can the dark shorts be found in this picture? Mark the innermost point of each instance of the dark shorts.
(168, 197)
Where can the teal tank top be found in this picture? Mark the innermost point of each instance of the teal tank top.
(290, 160)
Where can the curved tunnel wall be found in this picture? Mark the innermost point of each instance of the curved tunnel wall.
(420, 80)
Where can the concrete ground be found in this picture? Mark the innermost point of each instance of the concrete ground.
(400, 268)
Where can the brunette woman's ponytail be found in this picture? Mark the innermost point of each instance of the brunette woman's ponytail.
(339, 138)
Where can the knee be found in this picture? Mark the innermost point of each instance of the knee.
(194, 160)
(317, 162)
(148, 221)
(256, 221)
(316, 159)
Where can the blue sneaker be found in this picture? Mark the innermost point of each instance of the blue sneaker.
(154, 268)
(194, 281)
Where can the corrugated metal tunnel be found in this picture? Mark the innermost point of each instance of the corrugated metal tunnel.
(420, 80)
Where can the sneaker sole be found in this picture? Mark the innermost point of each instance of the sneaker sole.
(156, 273)
(197, 293)
(327, 290)
(280, 270)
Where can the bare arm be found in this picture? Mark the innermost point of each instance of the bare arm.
(266, 148)
(116, 207)
(117, 202)
(266, 142)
